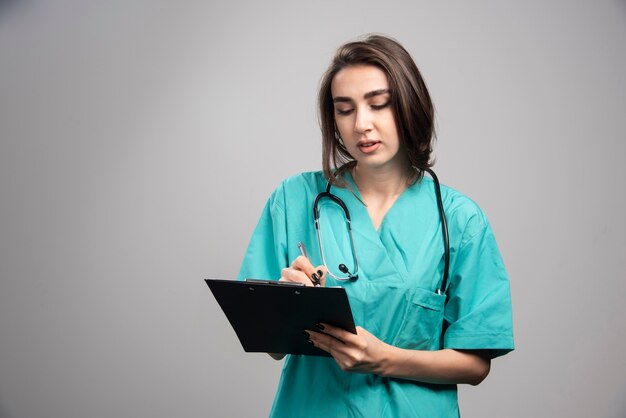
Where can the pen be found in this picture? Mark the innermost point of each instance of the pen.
(314, 277)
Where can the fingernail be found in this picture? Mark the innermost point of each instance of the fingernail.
(306, 334)
(319, 326)
(310, 341)
(315, 277)
(320, 273)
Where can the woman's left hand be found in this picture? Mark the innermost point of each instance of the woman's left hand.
(363, 352)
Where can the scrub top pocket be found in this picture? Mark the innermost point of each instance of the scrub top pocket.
(422, 322)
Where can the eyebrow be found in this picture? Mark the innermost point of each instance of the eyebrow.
(367, 95)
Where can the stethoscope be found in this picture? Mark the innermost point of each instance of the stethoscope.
(354, 275)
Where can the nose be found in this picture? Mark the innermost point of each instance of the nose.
(363, 121)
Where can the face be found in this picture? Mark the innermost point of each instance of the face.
(364, 117)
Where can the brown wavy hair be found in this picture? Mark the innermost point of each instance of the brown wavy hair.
(412, 107)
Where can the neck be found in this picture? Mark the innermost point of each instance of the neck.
(385, 182)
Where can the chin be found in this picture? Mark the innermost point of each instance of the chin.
(375, 162)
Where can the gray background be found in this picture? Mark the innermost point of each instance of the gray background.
(139, 142)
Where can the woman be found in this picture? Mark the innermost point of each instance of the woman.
(419, 332)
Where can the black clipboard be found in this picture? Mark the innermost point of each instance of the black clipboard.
(270, 316)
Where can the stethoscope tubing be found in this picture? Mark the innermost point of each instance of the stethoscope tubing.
(444, 230)
(353, 276)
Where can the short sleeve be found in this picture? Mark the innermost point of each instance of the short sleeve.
(478, 312)
(266, 255)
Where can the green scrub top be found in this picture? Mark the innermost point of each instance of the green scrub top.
(400, 270)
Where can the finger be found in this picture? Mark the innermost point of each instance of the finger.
(304, 264)
(322, 272)
(317, 340)
(290, 274)
(341, 334)
(326, 342)
(346, 356)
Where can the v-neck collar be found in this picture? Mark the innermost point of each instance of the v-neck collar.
(362, 207)
(373, 247)
(381, 253)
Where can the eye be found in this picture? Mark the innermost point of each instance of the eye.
(380, 106)
(344, 112)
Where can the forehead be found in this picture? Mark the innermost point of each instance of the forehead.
(355, 81)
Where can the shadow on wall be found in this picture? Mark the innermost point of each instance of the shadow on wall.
(3, 412)
(6, 5)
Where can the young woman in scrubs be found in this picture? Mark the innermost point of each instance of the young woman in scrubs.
(413, 345)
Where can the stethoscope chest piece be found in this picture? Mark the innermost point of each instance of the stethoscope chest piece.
(344, 270)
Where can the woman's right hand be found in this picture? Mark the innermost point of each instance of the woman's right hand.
(302, 271)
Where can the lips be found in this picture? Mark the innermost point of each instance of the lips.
(368, 146)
